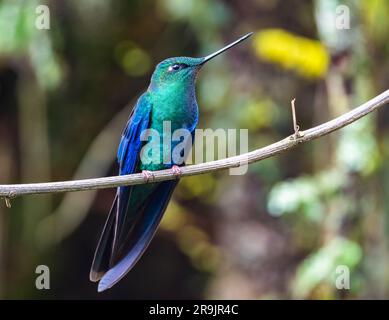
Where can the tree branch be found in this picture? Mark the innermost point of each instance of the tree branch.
(14, 190)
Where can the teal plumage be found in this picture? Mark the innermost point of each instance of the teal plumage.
(137, 210)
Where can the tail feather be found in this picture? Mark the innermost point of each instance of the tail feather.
(100, 264)
(131, 247)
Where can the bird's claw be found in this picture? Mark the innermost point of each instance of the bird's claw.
(147, 175)
(176, 170)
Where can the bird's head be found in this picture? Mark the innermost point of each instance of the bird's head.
(184, 69)
(177, 69)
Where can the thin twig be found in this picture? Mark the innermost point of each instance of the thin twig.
(296, 127)
(14, 190)
(7, 202)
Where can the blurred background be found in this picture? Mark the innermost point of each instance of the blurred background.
(281, 230)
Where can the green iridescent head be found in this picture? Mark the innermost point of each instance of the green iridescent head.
(184, 69)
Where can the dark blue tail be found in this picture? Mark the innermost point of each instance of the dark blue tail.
(113, 260)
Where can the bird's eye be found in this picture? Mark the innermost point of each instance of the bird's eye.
(175, 67)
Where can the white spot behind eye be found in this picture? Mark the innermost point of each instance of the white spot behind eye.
(174, 67)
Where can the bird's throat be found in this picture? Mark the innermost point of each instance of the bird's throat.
(175, 103)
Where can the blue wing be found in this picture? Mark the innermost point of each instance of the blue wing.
(130, 143)
(128, 158)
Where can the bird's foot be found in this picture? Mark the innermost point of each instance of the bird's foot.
(176, 170)
(147, 175)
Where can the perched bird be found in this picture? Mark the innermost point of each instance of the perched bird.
(137, 210)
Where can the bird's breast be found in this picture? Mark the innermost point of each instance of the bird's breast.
(171, 113)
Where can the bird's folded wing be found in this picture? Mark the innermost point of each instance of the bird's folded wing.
(128, 158)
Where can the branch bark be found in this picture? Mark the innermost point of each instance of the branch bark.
(14, 190)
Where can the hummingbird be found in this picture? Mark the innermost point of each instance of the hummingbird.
(137, 210)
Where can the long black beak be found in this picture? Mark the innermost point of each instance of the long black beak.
(213, 55)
